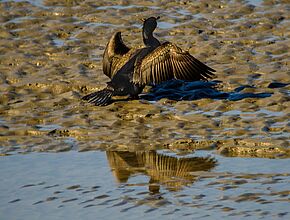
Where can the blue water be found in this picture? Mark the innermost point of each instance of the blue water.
(75, 185)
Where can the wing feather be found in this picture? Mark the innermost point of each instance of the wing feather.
(114, 51)
(167, 62)
(178, 73)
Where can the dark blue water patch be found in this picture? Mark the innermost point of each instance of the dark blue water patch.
(274, 85)
(240, 88)
(183, 90)
(240, 96)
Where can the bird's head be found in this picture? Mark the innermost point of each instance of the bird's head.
(149, 24)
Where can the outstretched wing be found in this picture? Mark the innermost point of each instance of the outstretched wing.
(115, 49)
(167, 62)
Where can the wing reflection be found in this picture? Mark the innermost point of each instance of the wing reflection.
(169, 171)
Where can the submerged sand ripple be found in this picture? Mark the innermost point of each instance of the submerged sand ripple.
(51, 56)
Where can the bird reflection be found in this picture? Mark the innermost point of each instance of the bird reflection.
(169, 171)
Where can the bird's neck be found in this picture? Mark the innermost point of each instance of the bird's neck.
(149, 40)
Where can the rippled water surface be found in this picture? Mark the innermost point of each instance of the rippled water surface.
(122, 184)
(184, 149)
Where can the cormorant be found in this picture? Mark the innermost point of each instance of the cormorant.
(130, 70)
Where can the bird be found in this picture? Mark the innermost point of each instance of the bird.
(131, 69)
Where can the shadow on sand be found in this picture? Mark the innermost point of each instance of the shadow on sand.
(182, 90)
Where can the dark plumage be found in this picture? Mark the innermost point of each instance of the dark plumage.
(131, 69)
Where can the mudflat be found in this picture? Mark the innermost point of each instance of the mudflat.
(51, 54)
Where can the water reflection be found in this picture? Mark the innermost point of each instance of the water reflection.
(77, 186)
(169, 171)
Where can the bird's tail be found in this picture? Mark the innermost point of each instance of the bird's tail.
(100, 98)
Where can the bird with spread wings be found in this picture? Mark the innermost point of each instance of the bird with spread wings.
(131, 69)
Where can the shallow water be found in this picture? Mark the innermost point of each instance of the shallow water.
(50, 56)
(120, 184)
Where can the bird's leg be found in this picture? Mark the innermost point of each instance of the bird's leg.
(133, 97)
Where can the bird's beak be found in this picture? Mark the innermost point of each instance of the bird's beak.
(142, 19)
(157, 17)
